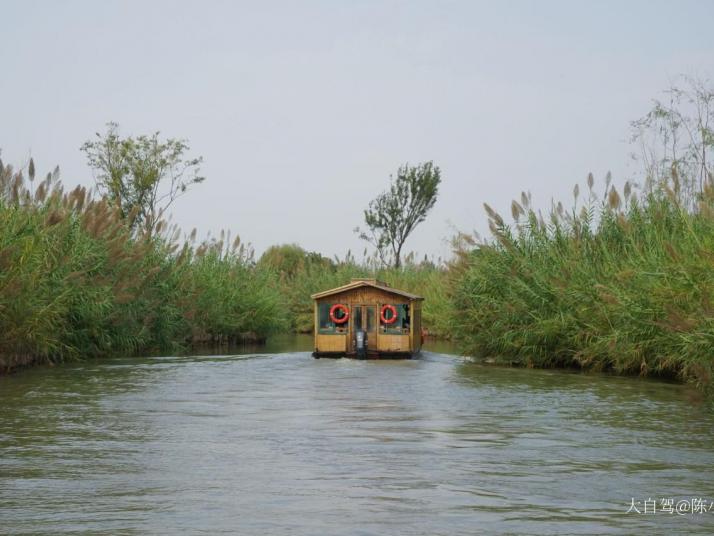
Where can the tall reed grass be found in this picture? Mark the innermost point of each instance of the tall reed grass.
(619, 282)
(75, 281)
(623, 283)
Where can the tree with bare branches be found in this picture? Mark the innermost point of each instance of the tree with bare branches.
(676, 137)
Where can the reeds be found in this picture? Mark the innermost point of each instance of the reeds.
(625, 283)
(619, 282)
(75, 281)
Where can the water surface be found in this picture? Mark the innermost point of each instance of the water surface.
(269, 440)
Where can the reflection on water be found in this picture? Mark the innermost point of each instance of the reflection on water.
(274, 345)
(269, 440)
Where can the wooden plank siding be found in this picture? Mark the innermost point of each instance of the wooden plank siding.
(332, 343)
(365, 295)
(393, 343)
(416, 326)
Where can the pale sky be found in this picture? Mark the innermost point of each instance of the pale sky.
(302, 110)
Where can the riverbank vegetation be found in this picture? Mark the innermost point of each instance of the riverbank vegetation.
(79, 278)
(623, 284)
(622, 281)
(76, 280)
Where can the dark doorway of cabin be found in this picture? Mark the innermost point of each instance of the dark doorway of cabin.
(364, 318)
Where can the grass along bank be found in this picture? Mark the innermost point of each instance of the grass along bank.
(623, 283)
(75, 281)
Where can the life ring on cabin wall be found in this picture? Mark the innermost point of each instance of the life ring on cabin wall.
(383, 315)
(345, 313)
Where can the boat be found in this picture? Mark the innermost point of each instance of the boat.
(367, 319)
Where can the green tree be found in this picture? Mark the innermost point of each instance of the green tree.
(393, 215)
(286, 259)
(142, 176)
(290, 259)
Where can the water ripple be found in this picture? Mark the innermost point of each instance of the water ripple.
(280, 443)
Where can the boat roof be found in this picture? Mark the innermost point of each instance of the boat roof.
(356, 283)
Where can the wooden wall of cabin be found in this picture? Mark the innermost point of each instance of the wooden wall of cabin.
(416, 326)
(365, 295)
(328, 343)
(331, 343)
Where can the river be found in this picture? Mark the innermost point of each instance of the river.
(271, 441)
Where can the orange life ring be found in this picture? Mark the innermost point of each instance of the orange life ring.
(384, 318)
(345, 313)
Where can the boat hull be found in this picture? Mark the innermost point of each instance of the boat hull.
(370, 355)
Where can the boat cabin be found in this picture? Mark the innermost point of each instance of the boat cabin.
(367, 319)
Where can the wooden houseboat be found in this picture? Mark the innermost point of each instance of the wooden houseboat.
(367, 319)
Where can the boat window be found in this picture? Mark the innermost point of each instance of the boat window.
(325, 325)
(370, 319)
(401, 325)
(357, 318)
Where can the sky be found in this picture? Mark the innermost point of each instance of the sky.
(303, 110)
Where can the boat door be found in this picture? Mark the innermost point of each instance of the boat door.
(364, 318)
